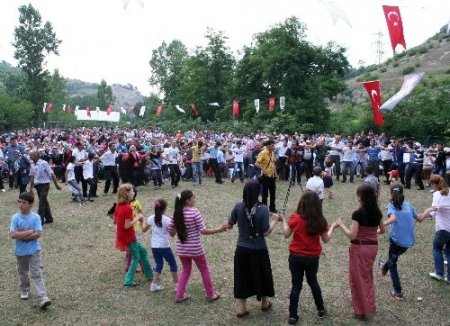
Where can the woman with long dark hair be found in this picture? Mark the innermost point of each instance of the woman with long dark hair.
(366, 221)
(308, 225)
(252, 268)
(188, 224)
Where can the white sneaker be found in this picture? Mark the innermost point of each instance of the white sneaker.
(3, 190)
(175, 287)
(45, 302)
(436, 276)
(445, 262)
(24, 295)
(155, 287)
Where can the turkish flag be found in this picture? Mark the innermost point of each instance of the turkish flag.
(196, 112)
(88, 111)
(49, 107)
(159, 110)
(271, 103)
(130, 109)
(69, 108)
(395, 26)
(374, 91)
(235, 108)
(109, 110)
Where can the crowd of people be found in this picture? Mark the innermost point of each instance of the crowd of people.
(128, 159)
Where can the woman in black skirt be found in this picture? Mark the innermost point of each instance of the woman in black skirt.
(252, 268)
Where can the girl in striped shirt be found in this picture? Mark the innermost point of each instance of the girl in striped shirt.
(188, 224)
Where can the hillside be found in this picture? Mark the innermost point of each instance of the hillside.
(126, 95)
(431, 57)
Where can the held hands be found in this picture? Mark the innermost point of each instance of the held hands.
(277, 217)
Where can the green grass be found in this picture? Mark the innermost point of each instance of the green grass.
(84, 273)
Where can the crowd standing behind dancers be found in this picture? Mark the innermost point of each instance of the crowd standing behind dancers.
(127, 153)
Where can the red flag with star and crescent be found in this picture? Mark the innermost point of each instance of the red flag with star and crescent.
(49, 107)
(271, 103)
(109, 110)
(374, 91)
(196, 111)
(88, 111)
(395, 26)
(69, 108)
(235, 111)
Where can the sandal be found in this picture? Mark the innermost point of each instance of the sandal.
(268, 307)
(215, 297)
(242, 314)
(186, 297)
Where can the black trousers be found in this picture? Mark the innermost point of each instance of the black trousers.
(44, 207)
(111, 173)
(215, 167)
(79, 177)
(268, 188)
(175, 174)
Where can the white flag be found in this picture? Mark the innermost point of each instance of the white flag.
(282, 102)
(214, 104)
(142, 111)
(76, 108)
(123, 110)
(257, 105)
(409, 83)
(97, 109)
(448, 27)
(64, 107)
(45, 106)
(180, 109)
(336, 13)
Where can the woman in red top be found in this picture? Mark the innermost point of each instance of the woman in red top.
(308, 225)
(126, 236)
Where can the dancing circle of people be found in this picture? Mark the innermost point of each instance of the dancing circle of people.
(262, 161)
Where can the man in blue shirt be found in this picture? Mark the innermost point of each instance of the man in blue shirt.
(373, 160)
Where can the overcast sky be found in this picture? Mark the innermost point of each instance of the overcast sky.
(102, 40)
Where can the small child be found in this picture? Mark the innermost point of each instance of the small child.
(188, 224)
(402, 217)
(327, 177)
(160, 244)
(137, 213)
(26, 229)
(372, 180)
(393, 177)
(316, 183)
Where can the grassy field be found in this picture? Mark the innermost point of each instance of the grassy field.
(84, 273)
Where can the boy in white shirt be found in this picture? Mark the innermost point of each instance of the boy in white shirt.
(88, 175)
(316, 183)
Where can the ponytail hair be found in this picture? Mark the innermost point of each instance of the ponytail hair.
(160, 207)
(440, 184)
(397, 196)
(178, 216)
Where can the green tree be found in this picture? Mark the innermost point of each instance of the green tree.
(14, 113)
(166, 64)
(105, 96)
(58, 97)
(32, 42)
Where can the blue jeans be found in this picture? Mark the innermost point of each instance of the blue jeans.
(238, 170)
(197, 169)
(161, 254)
(299, 266)
(441, 238)
(391, 264)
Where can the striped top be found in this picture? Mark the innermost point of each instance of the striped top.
(194, 226)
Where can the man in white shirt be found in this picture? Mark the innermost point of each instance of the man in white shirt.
(173, 155)
(238, 153)
(109, 160)
(347, 161)
(336, 147)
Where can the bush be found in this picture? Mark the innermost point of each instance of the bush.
(447, 71)
(408, 70)
(371, 68)
(395, 64)
(412, 52)
(383, 69)
(417, 65)
(423, 50)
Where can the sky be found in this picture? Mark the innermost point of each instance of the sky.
(104, 40)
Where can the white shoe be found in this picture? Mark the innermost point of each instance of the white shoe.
(155, 287)
(445, 262)
(175, 287)
(436, 276)
(45, 302)
(3, 190)
(24, 295)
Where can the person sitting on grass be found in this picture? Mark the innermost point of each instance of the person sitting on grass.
(402, 216)
(25, 229)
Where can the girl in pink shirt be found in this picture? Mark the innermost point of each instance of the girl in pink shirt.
(188, 224)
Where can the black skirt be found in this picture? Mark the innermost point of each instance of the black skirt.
(252, 274)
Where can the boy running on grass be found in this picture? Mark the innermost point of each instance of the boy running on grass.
(26, 229)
